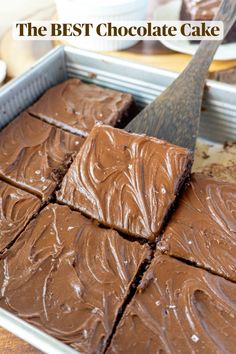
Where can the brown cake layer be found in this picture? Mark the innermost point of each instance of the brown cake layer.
(197, 10)
(203, 228)
(69, 277)
(34, 155)
(178, 309)
(16, 208)
(77, 107)
(126, 181)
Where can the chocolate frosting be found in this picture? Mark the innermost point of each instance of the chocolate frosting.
(203, 228)
(178, 309)
(126, 181)
(16, 209)
(34, 155)
(77, 107)
(69, 277)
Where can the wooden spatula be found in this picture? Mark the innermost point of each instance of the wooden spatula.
(175, 115)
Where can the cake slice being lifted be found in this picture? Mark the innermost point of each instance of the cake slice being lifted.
(126, 181)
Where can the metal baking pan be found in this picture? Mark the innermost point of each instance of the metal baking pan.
(218, 121)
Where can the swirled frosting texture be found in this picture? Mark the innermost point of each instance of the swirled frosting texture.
(69, 277)
(178, 309)
(77, 107)
(203, 228)
(34, 154)
(16, 209)
(126, 181)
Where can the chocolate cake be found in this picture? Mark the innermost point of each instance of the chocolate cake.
(178, 309)
(34, 155)
(203, 228)
(126, 181)
(69, 277)
(76, 279)
(77, 107)
(197, 10)
(16, 209)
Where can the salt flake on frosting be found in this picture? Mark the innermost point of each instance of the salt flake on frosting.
(195, 338)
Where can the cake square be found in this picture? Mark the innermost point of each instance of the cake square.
(178, 309)
(34, 155)
(69, 277)
(126, 181)
(203, 228)
(17, 207)
(77, 107)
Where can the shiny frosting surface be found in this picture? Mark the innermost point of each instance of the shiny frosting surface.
(16, 209)
(126, 181)
(202, 9)
(203, 228)
(34, 154)
(77, 106)
(69, 277)
(178, 309)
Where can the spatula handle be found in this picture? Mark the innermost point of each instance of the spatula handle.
(175, 114)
